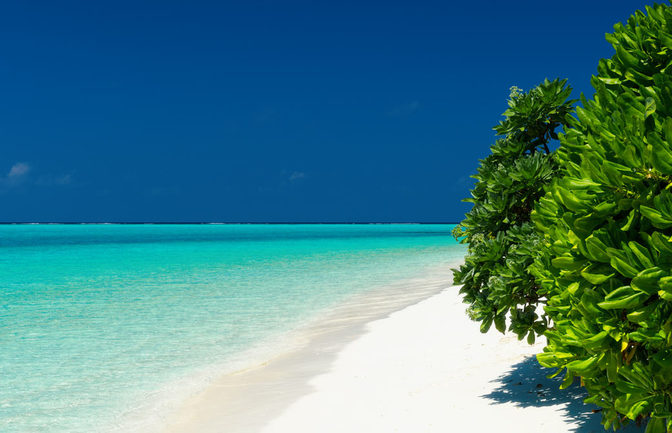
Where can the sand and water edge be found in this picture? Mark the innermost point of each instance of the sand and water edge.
(403, 358)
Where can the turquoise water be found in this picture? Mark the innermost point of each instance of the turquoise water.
(97, 320)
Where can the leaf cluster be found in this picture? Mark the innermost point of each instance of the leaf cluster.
(605, 261)
(502, 241)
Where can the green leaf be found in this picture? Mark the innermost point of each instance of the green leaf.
(661, 155)
(623, 297)
(594, 277)
(665, 283)
(642, 314)
(623, 267)
(583, 367)
(597, 249)
(637, 408)
(641, 253)
(568, 263)
(649, 107)
(598, 340)
(613, 363)
(629, 221)
(656, 425)
(628, 59)
(500, 322)
(485, 325)
(620, 293)
(647, 280)
(609, 80)
(568, 380)
(530, 337)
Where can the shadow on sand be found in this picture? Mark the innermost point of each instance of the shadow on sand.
(526, 385)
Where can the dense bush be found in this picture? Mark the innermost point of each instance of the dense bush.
(502, 240)
(607, 261)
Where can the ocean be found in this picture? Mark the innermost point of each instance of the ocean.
(104, 327)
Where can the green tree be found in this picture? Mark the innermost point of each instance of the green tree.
(606, 261)
(502, 240)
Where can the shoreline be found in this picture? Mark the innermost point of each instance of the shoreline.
(244, 400)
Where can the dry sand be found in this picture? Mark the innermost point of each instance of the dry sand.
(375, 366)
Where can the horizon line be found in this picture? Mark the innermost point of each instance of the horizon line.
(211, 222)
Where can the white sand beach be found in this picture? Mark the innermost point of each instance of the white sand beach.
(422, 368)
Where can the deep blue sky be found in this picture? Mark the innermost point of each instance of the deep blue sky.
(270, 111)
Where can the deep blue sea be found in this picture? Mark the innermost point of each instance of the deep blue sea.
(99, 324)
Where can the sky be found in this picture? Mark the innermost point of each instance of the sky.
(269, 111)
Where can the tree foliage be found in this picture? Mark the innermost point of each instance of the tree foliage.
(502, 240)
(606, 261)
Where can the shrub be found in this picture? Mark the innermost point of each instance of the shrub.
(502, 240)
(607, 221)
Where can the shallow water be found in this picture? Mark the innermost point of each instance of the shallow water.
(95, 320)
